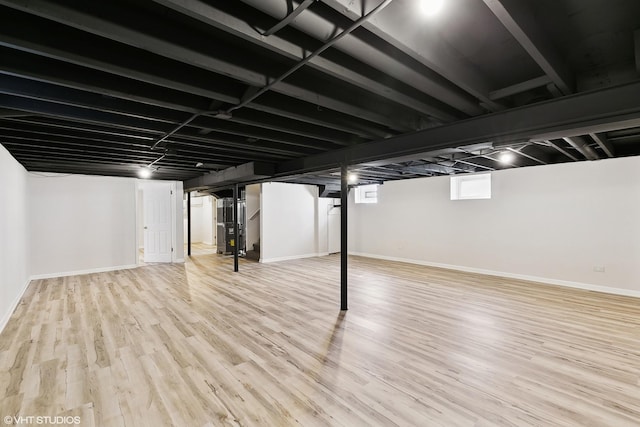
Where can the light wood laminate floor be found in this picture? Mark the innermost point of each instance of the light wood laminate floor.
(195, 344)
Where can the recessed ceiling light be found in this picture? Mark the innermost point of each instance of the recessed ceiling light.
(352, 178)
(506, 157)
(431, 7)
(144, 173)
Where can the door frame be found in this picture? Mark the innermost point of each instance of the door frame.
(140, 185)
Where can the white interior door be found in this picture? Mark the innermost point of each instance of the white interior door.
(333, 224)
(157, 223)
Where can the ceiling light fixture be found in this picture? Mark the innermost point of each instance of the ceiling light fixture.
(506, 157)
(352, 178)
(145, 172)
(431, 7)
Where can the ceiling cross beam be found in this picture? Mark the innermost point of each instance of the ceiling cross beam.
(582, 146)
(520, 22)
(154, 43)
(425, 45)
(215, 16)
(603, 142)
(580, 114)
(365, 49)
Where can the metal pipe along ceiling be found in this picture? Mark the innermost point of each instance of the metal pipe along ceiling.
(315, 53)
(286, 21)
(582, 147)
(322, 29)
(277, 80)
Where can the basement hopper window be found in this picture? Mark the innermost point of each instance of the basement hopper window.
(470, 187)
(367, 193)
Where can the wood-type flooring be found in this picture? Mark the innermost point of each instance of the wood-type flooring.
(195, 344)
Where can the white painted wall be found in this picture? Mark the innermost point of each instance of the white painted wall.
(81, 223)
(252, 196)
(333, 226)
(140, 218)
(207, 217)
(550, 223)
(85, 223)
(294, 222)
(327, 214)
(202, 220)
(197, 225)
(14, 234)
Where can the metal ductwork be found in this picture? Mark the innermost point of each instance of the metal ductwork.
(580, 144)
(248, 172)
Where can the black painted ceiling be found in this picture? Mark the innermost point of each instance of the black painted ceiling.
(192, 87)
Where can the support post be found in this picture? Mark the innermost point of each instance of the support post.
(236, 231)
(344, 197)
(188, 223)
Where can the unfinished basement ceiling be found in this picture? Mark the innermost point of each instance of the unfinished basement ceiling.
(192, 87)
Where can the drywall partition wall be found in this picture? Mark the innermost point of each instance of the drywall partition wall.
(14, 234)
(334, 210)
(252, 196)
(557, 223)
(208, 228)
(289, 221)
(202, 219)
(197, 232)
(140, 218)
(81, 223)
(327, 213)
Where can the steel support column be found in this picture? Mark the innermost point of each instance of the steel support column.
(236, 229)
(189, 223)
(344, 251)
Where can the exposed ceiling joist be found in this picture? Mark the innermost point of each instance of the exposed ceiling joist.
(603, 142)
(218, 64)
(520, 87)
(94, 102)
(91, 118)
(582, 146)
(425, 45)
(475, 164)
(215, 16)
(92, 87)
(322, 28)
(580, 114)
(521, 24)
(636, 39)
(6, 112)
(69, 76)
(146, 71)
(520, 152)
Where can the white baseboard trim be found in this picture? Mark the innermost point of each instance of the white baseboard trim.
(545, 280)
(81, 272)
(13, 306)
(289, 258)
(179, 260)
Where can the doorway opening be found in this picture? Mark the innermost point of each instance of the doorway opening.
(203, 224)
